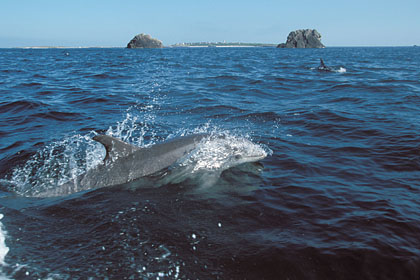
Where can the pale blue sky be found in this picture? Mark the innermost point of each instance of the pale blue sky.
(115, 22)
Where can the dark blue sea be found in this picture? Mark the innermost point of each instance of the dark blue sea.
(337, 195)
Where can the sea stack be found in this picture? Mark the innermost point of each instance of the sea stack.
(141, 41)
(303, 38)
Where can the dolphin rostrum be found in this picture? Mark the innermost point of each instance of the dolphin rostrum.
(124, 163)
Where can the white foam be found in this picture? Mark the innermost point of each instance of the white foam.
(63, 160)
(56, 164)
(220, 153)
(3, 248)
(341, 70)
(126, 129)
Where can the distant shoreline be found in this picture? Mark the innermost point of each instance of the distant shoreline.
(191, 45)
(180, 45)
(221, 45)
(61, 47)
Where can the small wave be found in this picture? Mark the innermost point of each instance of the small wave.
(8, 71)
(256, 82)
(326, 116)
(39, 76)
(106, 76)
(12, 146)
(18, 106)
(215, 110)
(45, 92)
(355, 100)
(28, 85)
(339, 87)
(89, 100)
(227, 77)
(285, 80)
(58, 116)
(101, 76)
(260, 117)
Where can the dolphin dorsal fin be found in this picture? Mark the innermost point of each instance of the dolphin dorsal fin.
(115, 148)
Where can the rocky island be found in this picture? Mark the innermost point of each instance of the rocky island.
(303, 38)
(144, 41)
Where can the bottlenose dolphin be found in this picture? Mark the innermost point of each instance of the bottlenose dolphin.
(124, 162)
(323, 67)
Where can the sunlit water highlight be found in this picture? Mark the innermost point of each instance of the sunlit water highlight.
(333, 193)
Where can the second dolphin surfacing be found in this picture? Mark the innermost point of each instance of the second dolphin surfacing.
(124, 162)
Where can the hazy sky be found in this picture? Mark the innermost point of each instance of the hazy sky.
(115, 22)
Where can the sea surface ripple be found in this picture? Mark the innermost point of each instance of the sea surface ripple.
(337, 197)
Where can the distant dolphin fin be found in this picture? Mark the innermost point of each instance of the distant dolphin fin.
(115, 147)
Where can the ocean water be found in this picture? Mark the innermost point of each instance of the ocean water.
(337, 195)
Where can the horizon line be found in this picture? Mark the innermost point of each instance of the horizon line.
(177, 45)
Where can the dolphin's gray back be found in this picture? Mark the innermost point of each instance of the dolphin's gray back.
(131, 163)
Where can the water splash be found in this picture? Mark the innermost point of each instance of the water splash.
(222, 151)
(340, 70)
(334, 70)
(202, 168)
(136, 126)
(65, 160)
(3, 248)
(56, 164)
